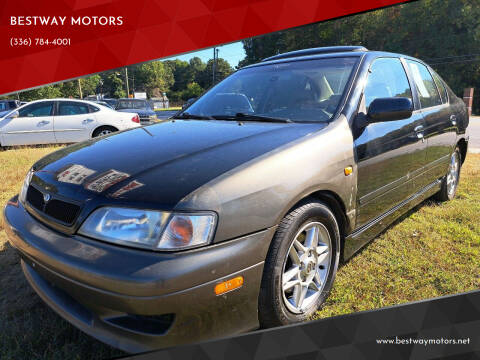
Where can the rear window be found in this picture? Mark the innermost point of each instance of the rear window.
(441, 86)
(66, 108)
(131, 104)
(426, 87)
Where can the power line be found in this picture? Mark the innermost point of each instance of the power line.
(454, 62)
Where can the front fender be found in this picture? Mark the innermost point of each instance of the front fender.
(258, 194)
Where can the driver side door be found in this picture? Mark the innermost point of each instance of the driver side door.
(391, 153)
(33, 125)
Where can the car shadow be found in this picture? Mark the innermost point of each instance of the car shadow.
(428, 202)
(29, 328)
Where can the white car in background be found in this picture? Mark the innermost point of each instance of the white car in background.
(61, 121)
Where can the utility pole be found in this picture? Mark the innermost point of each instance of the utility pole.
(80, 88)
(216, 62)
(133, 83)
(126, 82)
(213, 66)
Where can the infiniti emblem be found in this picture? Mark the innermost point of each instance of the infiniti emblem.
(46, 197)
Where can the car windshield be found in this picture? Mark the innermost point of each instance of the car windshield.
(307, 90)
(131, 104)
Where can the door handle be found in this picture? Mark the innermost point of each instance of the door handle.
(418, 128)
(44, 122)
(453, 119)
(86, 121)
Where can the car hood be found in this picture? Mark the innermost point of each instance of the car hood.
(158, 165)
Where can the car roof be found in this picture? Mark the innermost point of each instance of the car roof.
(326, 53)
(63, 99)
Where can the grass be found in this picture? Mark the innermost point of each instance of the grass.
(433, 251)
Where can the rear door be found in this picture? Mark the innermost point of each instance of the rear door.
(34, 125)
(388, 153)
(440, 124)
(73, 122)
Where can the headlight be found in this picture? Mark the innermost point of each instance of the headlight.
(154, 230)
(23, 191)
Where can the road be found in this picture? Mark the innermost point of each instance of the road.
(474, 129)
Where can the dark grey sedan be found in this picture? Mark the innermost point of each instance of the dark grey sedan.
(235, 214)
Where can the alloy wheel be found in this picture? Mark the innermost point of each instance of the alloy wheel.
(452, 175)
(306, 267)
(105, 132)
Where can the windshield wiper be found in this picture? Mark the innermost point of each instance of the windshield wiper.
(251, 117)
(186, 115)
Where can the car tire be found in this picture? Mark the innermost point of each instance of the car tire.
(280, 303)
(104, 130)
(448, 187)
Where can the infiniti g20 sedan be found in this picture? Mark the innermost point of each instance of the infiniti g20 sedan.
(235, 214)
(61, 121)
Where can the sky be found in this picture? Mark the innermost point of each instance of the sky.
(233, 53)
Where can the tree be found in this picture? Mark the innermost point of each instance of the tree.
(44, 92)
(193, 90)
(153, 76)
(222, 70)
(113, 84)
(89, 85)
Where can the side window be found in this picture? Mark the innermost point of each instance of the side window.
(426, 88)
(441, 86)
(71, 108)
(387, 79)
(93, 108)
(37, 109)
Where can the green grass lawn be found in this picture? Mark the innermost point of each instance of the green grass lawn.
(432, 251)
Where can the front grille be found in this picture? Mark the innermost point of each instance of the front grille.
(59, 210)
(35, 198)
(62, 211)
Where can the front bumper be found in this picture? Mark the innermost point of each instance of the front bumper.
(139, 300)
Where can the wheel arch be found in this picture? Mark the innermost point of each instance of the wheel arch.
(335, 203)
(103, 126)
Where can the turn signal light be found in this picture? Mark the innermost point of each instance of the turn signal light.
(136, 119)
(229, 285)
(348, 170)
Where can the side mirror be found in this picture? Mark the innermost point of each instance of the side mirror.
(389, 109)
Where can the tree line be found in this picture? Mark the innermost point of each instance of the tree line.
(180, 80)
